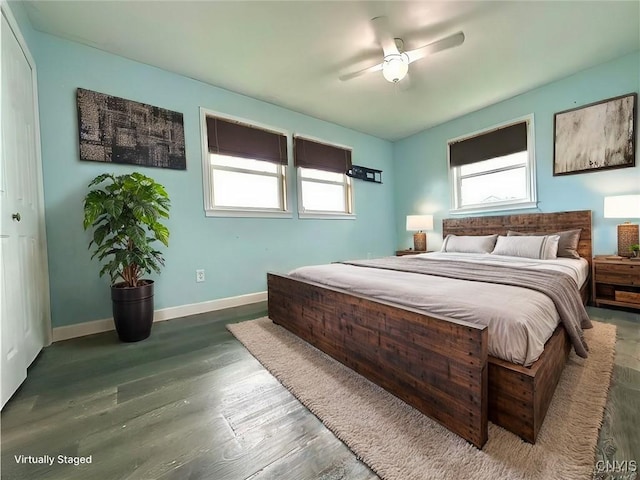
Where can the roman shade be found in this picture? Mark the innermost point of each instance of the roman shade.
(312, 154)
(226, 137)
(497, 143)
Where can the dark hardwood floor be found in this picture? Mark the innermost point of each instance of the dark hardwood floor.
(191, 403)
(619, 439)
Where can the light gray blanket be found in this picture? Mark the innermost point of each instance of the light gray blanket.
(559, 287)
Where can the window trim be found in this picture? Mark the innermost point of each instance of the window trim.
(530, 171)
(348, 182)
(285, 188)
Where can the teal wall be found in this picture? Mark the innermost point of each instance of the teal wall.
(421, 160)
(235, 253)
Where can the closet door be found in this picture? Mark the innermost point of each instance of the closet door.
(23, 273)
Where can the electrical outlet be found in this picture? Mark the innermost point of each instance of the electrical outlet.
(199, 276)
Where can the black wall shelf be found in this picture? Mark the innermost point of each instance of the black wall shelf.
(366, 174)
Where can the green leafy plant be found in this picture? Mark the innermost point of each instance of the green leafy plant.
(635, 249)
(124, 212)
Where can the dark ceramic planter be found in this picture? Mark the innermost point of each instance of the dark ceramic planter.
(133, 310)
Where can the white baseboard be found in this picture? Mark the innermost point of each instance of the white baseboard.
(106, 324)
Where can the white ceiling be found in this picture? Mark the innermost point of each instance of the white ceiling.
(291, 53)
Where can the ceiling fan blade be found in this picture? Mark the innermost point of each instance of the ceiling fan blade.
(383, 35)
(454, 40)
(364, 71)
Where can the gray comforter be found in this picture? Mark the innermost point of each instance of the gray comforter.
(559, 287)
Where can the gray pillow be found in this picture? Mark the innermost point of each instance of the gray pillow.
(529, 246)
(568, 245)
(469, 243)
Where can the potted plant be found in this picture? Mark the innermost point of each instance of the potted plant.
(635, 250)
(124, 212)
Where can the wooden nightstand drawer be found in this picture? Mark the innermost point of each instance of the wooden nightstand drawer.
(631, 297)
(400, 253)
(616, 282)
(618, 274)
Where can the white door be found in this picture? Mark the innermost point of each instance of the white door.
(23, 273)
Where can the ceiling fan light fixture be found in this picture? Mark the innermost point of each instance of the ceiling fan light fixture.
(395, 67)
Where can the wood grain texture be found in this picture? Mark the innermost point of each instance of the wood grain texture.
(618, 274)
(321, 315)
(187, 403)
(520, 396)
(346, 327)
(531, 223)
(616, 282)
(526, 223)
(619, 438)
(437, 365)
(69, 402)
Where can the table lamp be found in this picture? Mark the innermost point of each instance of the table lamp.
(419, 223)
(624, 206)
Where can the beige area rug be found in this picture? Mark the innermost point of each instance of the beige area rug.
(399, 443)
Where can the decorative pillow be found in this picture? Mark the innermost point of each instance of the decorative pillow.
(538, 247)
(568, 245)
(469, 244)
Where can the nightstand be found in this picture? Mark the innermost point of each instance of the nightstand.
(400, 253)
(616, 282)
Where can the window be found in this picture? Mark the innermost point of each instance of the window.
(247, 183)
(494, 169)
(501, 179)
(324, 189)
(244, 169)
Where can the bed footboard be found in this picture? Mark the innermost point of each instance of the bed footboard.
(437, 365)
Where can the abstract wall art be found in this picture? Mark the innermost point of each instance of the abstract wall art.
(116, 130)
(596, 136)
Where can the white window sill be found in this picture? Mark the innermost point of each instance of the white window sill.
(248, 213)
(326, 216)
(494, 208)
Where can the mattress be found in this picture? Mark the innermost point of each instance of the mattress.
(519, 320)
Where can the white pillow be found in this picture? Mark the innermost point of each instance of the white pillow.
(469, 244)
(539, 247)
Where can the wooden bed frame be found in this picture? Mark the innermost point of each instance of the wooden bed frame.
(438, 365)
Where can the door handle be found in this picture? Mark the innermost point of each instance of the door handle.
(16, 216)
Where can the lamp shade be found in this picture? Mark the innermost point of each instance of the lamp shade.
(395, 67)
(419, 222)
(622, 206)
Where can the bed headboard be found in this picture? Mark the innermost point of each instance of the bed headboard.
(527, 222)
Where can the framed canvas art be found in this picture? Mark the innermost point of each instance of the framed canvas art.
(596, 136)
(116, 130)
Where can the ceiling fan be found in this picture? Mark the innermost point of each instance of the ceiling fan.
(395, 64)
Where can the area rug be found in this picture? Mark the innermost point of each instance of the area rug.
(399, 443)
